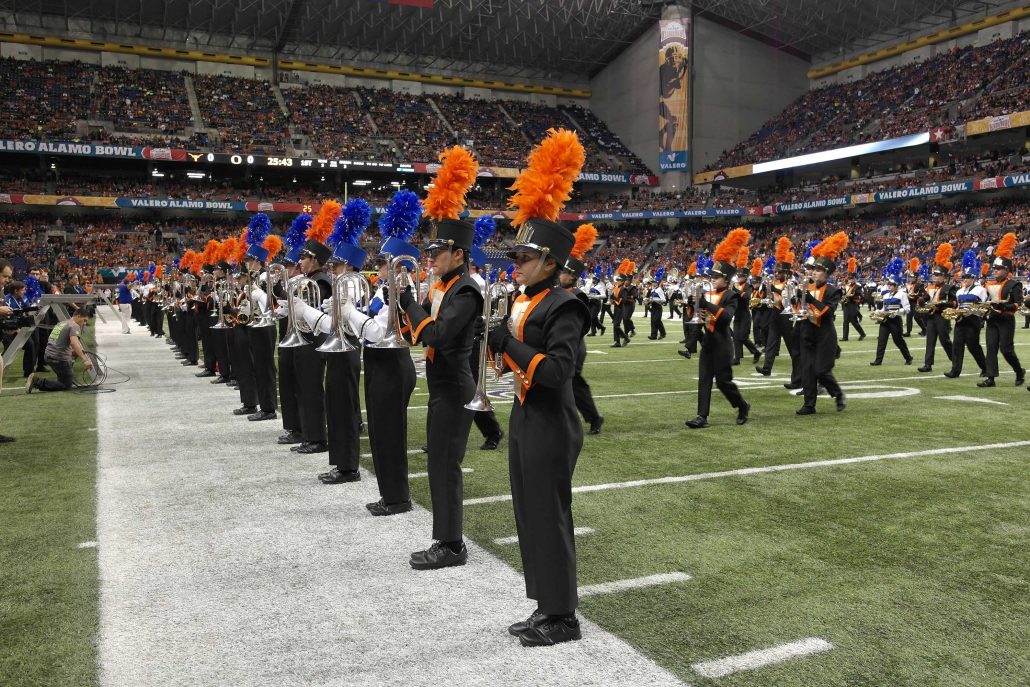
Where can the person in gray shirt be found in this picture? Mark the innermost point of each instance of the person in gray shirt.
(63, 347)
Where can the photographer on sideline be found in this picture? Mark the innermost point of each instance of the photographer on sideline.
(6, 272)
(61, 350)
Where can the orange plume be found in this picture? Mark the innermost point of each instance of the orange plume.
(625, 267)
(1006, 246)
(322, 226)
(984, 268)
(241, 248)
(783, 249)
(913, 265)
(742, 257)
(943, 256)
(273, 244)
(186, 262)
(831, 246)
(457, 174)
(586, 235)
(728, 250)
(756, 267)
(691, 269)
(210, 255)
(852, 265)
(543, 187)
(229, 247)
(632, 268)
(159, 271)
(790, 257)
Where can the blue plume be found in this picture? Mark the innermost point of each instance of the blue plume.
(598, 270)
(485, 228)
(351, 224)
(970, 265)
(401, 216)
(894, 268)
(609, 274)
(296, 235)
(493, 275)
(176, 263)
(770, 265)
(258, 229)
(152, 268)
(659, 275)
(808, 251)
(33, 292)
(924, 271)
(700, 263)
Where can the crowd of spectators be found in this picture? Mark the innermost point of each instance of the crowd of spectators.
(142, 100)
(409, 121)
(496, 139)
(944, 90)
(334, 120)
(244, 111)
(43, 99)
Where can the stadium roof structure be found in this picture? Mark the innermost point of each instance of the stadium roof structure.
(554, 40)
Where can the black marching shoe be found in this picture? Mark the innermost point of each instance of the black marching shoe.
(245, 410)
(805, 410)
(290, 436)
(951, 374)
(4, 439)
(925, 368)
(908, 361)
(876, 363)
(860, 338)
(762, 371)
(439, 555)
(310, 447)
(616, 345)
(603, 330)
(219, 380)
(491, 442)
(987, 382)
(699, 422)
(188, 363)
(842, 402)
(685, 354)
(791, 386)
(652, 338)
(552, 630)
(515, 629)
(205, 373)
(1021, 377)
(338, 476)
(262, 415)
(595, 425)
(742, 413)
(381, 508)
(757, 357)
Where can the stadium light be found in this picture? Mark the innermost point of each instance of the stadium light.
(842, 153)
(195, 175)
(361, 182)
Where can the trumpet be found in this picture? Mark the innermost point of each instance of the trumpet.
(346, 287)
(393, 337)
(493, 316)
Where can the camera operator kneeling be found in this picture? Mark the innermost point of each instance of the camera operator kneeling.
(61, 350)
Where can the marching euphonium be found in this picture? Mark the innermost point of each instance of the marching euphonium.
(221, 290)
(306, 289)
(698, 292)
(493, 316)
(349, 286)
(393, 337)
(266, 318)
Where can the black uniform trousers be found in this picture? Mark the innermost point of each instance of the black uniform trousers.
(159, 318)
(543, 446)
(674, 308)
(967, 337)
(818, 353)
(851, 313)
(288, 391)
(243, 364)
(628, 309)
(890, 328)
(192, 335)
(657, 326)
(448, 424)
(486, 420)
(594, 306)
(389, 382)
(309, 368)
(691, 336)
(581, 390)
(1001, 329)
(760, 319)
(937, 328)
(220, 344)
(618, 320)
(609, 308)
(918, 318)
(204, 325)
(342, 412)
(782, 328)
(715, 364)
(742, 333)
(262, 351)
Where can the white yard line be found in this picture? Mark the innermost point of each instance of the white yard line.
(752, 660)
(742, 472)
(970, 399)
(225, 562)
(577, 532)
(87, 545)
(421, 475)
(634, 583)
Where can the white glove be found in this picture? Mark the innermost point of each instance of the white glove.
(347, 310)
(327, 305)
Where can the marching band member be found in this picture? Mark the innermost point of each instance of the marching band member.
(675, 298)
(781, 326)
(656, 300)
(597, 297)
(761, 314)
(742, 318)
(261, 340)
(718, 306)
(894, 305)
(446, 322)
(630, 295)
(1005, 296)
(205, 306)
(818, 333)
(239, 345)
(939, 294)
(220, 337)
(539, 345)
(968, 324)
(585, 236)
(691, 329)
(308, 363)
(288, 398)
(125, 303)
(851, 302)
(485, 420)
(389, 372)
(620, 302)
(914, 290)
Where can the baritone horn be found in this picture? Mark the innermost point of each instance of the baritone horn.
(493, 316)
(394, 338)
(306, 289)
(351, 287)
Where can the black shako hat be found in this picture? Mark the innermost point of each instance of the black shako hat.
(545, 237)
(722, 269)
(450, 233)
(318, 250)
(575, 266)
(822, 262)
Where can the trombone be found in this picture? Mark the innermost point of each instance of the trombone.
(493, 316)
(393, 337)
(349, 286)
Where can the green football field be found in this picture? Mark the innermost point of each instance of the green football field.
(912, 564)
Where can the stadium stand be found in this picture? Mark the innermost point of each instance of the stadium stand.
(225, 100)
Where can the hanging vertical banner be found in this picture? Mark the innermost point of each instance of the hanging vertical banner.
(674, 95)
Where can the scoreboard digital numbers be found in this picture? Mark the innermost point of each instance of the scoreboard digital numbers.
(238, 159)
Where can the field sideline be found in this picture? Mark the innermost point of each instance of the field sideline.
(911, 569)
